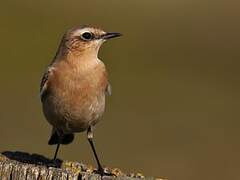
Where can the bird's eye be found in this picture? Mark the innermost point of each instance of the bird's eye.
(87, 36)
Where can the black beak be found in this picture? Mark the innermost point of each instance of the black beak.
(111, 35)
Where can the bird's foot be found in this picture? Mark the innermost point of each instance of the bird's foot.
(102, 172)
(56, 163)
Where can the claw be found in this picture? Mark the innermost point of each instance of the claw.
(103, 173)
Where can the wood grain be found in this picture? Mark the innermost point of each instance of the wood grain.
(24, 166)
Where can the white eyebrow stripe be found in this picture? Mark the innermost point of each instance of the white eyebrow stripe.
(80, 31)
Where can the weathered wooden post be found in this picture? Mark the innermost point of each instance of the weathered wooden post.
(23, 166)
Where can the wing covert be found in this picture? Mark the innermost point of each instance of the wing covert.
(44, 82)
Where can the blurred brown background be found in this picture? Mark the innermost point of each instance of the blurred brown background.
(175, 75)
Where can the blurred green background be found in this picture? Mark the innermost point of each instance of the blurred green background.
(174, 111)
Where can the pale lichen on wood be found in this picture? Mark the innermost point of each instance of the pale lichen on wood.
(23, 166)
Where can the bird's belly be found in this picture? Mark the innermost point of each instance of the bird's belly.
(74, 114)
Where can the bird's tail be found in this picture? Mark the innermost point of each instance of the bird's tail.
(57, 138)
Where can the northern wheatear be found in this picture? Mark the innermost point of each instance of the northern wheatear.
(74, 86)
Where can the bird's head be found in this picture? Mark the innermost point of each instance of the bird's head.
(86, 39)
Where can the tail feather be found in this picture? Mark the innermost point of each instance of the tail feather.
(63, 139)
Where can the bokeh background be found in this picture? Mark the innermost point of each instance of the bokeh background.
(174, 111)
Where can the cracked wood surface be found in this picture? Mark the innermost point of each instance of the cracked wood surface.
(24, 166)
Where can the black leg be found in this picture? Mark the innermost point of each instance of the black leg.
(90, 140)
(55, 155)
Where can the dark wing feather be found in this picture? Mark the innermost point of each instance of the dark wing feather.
(43, 85)
(60, 139)
(108, 89)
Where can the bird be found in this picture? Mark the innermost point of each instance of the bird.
(74, 86)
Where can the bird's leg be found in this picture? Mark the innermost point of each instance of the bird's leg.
(55, 162)
(59, 136)
(56, 152)
(90, 140)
